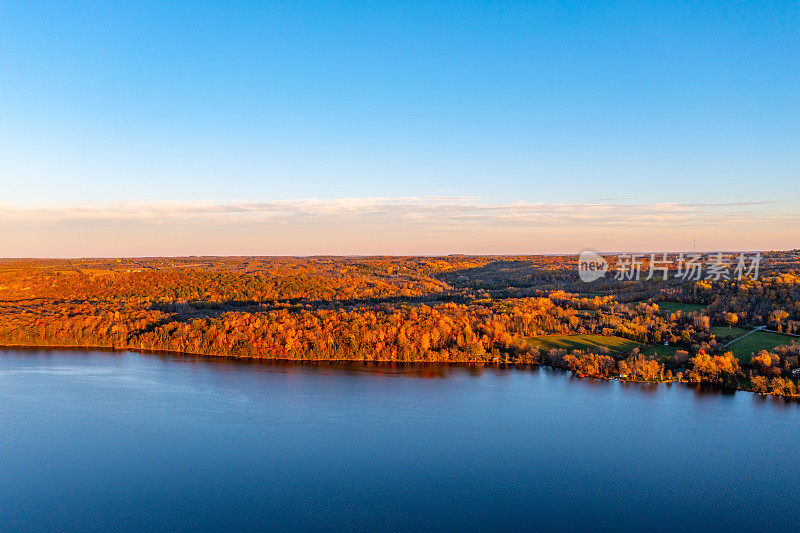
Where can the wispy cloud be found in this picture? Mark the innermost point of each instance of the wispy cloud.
(428, 208)
(430, 224)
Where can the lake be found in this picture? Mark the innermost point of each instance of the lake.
(126, 441)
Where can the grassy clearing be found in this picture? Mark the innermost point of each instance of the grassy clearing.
(745, 348)
(674, 307)
(725, 334)
(659, 350)
(582, 342)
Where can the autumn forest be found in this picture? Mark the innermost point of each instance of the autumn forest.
(532, 310)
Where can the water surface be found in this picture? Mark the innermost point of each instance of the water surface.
(125, 441)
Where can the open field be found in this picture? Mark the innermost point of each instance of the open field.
(673, 307)
(726, 334)
(660, 350)
(745, 348)
(582, 342)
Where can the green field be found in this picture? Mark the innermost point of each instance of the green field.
(725, 334)
(660, 350)
(673, 307)
(745, 348)
(582, 342)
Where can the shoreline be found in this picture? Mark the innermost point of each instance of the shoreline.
(376, 361)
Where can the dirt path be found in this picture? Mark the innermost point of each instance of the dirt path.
(759, 328)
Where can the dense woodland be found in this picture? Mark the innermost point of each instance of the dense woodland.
(480, 310)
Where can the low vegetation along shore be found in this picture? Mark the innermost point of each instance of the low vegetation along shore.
(739, 334)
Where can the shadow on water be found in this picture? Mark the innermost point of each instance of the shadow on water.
(710, 389)
(413, 370)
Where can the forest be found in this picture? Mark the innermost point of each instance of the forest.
(527, 310)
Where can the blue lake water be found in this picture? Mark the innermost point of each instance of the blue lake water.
(125, 441)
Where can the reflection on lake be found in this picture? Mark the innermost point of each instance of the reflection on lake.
(93, 440)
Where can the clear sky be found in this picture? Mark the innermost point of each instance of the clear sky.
(432, 127)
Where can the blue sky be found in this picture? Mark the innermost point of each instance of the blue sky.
(624, 103)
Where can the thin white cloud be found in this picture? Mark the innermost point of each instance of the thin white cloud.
(415, 208)
(434, 224)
